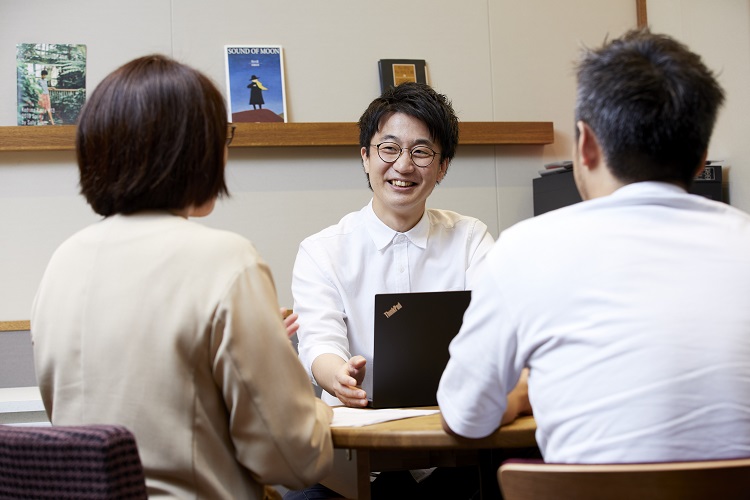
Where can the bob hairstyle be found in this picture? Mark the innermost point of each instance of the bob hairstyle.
(152, 136)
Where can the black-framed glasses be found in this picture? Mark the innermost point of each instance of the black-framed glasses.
(230, 133)
(421, 156)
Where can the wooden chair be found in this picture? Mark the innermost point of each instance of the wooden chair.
(719, 479)
(81, 462)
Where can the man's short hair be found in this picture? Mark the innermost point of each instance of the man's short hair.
(652, 104)
(152, 136)
(420, 101)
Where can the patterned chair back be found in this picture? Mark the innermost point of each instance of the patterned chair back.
(82, 462)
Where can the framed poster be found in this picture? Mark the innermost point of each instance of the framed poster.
(50, 83)
(396, 71)
(255, 83)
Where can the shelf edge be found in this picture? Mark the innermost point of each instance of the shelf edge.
(321, 134)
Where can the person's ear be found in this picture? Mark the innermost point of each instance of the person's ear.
(365, 160)
(702, 164)
(442, 169)
(587, 146)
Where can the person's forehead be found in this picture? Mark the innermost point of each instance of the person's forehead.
(401, 126)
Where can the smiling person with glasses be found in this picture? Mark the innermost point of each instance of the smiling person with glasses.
(408, 137)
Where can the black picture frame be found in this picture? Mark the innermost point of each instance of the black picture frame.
(396, 71)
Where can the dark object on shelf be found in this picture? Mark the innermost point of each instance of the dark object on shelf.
(558, 190)
(396, 71)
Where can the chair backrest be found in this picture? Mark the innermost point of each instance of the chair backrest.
(82, 462)
(724, 479)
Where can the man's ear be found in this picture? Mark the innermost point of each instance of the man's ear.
(702, 164)
(587, 146)
(365, 160)
(442, 169)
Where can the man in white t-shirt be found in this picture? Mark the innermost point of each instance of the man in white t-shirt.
(408, 137)
(630, 309)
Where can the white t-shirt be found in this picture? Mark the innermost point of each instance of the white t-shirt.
(632, 312)
(339, 270)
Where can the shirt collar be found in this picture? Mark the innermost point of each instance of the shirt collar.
(649, 187)
(383, 235)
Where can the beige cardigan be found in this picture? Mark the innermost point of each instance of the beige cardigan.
(173, 330)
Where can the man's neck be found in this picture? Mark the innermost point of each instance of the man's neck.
(604, 186)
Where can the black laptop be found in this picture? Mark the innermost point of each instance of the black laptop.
(412, 334)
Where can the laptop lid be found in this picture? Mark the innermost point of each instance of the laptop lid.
(412, 334)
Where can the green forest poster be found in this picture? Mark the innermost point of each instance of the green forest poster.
(51, 83)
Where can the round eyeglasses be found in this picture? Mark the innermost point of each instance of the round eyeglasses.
(421, 156)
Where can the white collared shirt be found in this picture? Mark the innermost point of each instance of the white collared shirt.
(339, 270)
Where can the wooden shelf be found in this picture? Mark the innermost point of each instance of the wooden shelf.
(15, 326)
(61, 138)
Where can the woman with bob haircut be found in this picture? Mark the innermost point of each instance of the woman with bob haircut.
(149, 320)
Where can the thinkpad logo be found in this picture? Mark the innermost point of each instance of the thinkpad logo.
(393, 310)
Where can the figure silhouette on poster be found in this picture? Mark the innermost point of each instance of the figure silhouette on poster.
(256, 92)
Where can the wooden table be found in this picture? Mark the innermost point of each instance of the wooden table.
(414, 443)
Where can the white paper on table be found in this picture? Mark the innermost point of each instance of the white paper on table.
(344, 416)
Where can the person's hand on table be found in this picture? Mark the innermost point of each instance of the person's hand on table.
(518, 399)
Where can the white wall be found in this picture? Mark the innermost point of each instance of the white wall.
(498, 60)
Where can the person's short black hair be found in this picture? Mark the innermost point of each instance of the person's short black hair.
(652, 104)
(44, 72)
(420, 101)
(152, 136)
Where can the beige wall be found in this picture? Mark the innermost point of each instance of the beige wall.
(500, 60)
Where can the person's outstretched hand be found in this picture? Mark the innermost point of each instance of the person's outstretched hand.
(348, 380)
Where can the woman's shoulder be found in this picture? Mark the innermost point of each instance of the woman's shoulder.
(211, 239)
